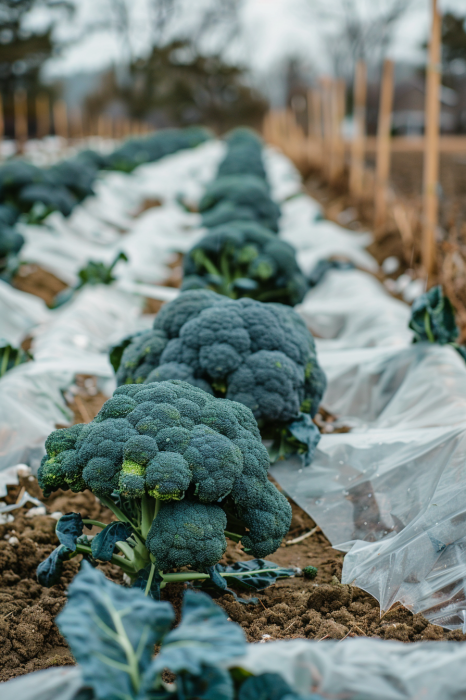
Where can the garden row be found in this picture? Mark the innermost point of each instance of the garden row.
(178, 456)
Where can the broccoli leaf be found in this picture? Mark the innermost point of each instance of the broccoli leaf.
(103, 544)
(142, 579)
(203, 638)
(433, 318)
(252, 577)
(306, 432)
(116, 352)
(112, 631)
(301, 436)
(212, 683)
(69, 528)
(265, 686)
(50, 570)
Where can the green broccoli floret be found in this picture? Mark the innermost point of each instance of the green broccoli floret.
(244, 259)
(244, 155)
(172, 451)
(58, 469)
(310, 572)
(188, 534)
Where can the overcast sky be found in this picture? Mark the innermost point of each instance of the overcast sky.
(271, 31)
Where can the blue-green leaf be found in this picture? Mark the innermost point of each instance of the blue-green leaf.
(253, 579)
(111, 631)
(142, 579)
(306, 432)
(69, 528)
(204, 637)
(103, 544)
(266, 686)
(433, 318)
(213, 683)
(50, 570)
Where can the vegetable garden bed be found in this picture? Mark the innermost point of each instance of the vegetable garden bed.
(290, 609)
(266, 360)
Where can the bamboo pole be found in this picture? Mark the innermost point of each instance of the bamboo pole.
(60, 119)
(357, 167)
(431, 153)
(42, 115)
(21, 117)
(383, 147)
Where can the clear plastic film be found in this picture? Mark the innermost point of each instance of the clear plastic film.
(390, 493)
(355, 669)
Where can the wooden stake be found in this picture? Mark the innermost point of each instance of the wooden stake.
(76, 124)
(326, 86)
(431, 153)
(21, 117)
(60, 119)
(383, 147)
(338, 115)
(42, 115)
(356, 180)
(2, 120)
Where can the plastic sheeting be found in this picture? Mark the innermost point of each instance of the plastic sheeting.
(19, 312)
(356, 669)
(391, 492)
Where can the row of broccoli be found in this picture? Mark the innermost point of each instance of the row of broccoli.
(241, 255)
(177, 453)
(32, 193)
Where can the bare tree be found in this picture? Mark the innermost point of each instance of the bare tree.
(364, 31)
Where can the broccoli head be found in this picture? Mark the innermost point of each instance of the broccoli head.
(242, 191)
(188, 534)
(244, 155)
(260, 355)
(193, 454)
(244, 259)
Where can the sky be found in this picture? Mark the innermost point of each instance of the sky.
(272, 31)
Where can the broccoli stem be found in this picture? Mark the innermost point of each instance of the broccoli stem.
(233, 536)
(202, 259)
(149, 580)
(94, 523)
(428, 329)
(107, 501)
(5, 358)
(149, 510)
(122, 562)
(195, 576)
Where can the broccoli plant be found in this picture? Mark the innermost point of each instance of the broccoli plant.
(245, 196)
(94, 273)
(112, 632)
(261, 355)
(433, 320)
(244, 155)
(244, 259)
(180, 470)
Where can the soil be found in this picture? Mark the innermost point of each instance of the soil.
(35, 280)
